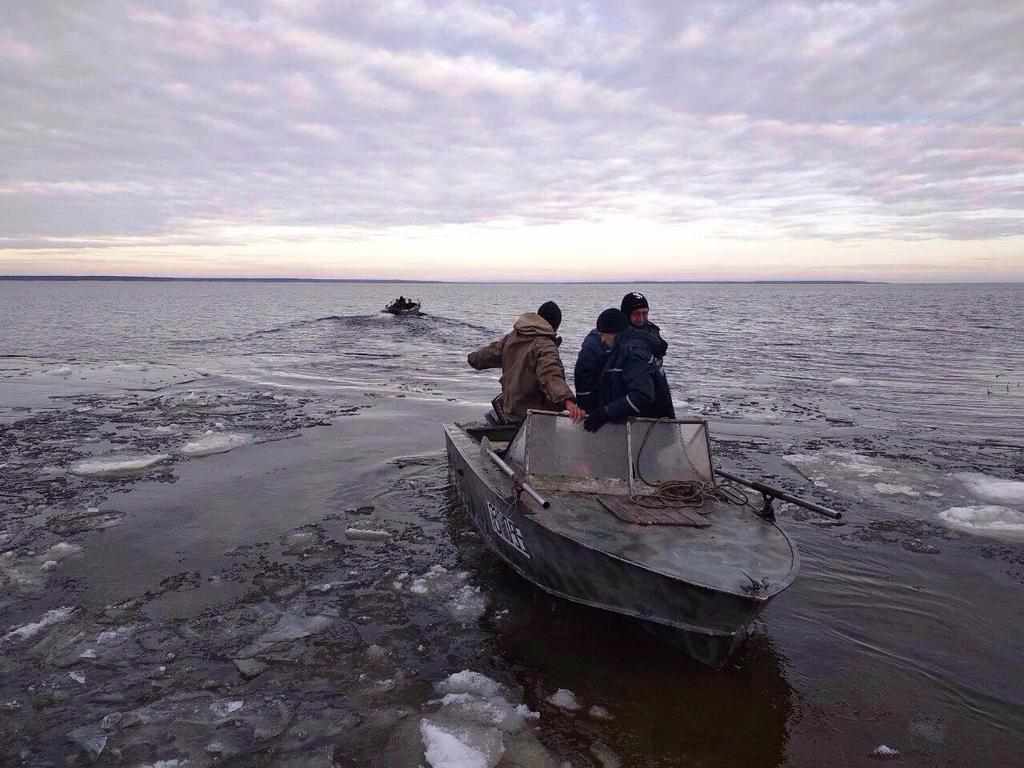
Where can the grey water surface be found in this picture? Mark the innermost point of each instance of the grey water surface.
(227, 535)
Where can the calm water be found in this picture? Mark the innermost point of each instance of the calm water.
(171, 569)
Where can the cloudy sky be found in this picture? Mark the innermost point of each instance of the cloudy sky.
(520, 140)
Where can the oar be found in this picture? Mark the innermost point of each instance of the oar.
(770, 492)
(485, 448)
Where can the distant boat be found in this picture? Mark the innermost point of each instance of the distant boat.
(402, 306)
(699, 571)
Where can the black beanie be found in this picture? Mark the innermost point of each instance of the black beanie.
(632, 301)
(611, 321)
(550, 312)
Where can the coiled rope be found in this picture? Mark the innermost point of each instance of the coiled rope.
(677, 494)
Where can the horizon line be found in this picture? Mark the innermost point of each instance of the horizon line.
(164, 278)
(615, 281)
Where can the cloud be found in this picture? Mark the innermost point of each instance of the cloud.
(834, 122)
(317, 131)
(299, 90)
(17, 51)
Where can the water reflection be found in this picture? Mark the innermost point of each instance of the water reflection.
(666, 709)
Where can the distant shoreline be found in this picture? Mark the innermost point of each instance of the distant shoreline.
(402, 281)
(156, 279)
(150, 279)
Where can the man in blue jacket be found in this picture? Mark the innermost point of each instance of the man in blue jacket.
(587, 374)
(630, 383)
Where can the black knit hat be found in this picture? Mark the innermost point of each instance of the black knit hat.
(550, 312)
(611, 321)
(633, 301)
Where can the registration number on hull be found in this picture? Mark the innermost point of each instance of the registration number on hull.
(506, 530)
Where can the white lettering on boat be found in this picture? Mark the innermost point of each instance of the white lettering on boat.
(505, 529)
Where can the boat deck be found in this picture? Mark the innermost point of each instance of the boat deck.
(736, 550)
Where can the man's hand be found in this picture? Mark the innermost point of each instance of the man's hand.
(596, 420)
(576, 413)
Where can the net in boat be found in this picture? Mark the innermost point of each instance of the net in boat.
(619, 459)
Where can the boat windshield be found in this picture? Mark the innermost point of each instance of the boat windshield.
(630, 458)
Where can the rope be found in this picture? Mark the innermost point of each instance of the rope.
(673, 494)
(676, 494)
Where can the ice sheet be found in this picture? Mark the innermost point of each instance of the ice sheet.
(987, 519)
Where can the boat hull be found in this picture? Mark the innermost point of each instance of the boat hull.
(413, 310)
(708, 624)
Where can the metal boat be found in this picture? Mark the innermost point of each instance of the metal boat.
(630, 519)
(409, 307)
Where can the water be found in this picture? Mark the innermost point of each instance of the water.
(216, 493)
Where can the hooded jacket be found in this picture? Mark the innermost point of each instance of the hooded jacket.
(532, 375)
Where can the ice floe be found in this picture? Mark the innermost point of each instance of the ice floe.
(462, 748)
(91, 739)
(994, 490)
(846, 381)
(893, 489)
(49, 618)
(468, 681)
(115, 636)
(117, 465)
(563, 698)
(215, 442)
(884, 752)
(475, 724)
(367, 534)
(225, 708)
(987, 519)
(61, 550)
(856, 462)
(464, 602)
(289, 626)
(605, 756)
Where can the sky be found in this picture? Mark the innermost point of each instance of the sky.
(423, 139)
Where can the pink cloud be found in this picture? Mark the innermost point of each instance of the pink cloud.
(17, 50)
(299, 90)
(205, 36)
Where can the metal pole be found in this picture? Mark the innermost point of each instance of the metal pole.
(485, 446)
(777, 493)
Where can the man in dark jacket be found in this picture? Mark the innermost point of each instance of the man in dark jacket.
(593, 354)
(532, 376)
(636, 309)
(587, 374)
(631, 383)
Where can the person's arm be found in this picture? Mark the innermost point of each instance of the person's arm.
(488, 356)
(659, 345)
(588, 371)
(638, 376)
(550, 373)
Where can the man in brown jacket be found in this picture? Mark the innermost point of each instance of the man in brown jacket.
(532, 375)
